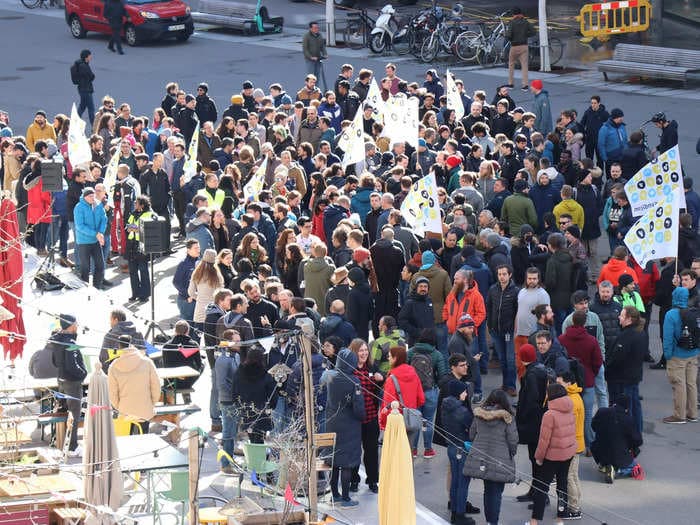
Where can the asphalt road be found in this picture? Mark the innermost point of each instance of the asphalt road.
(38, 51)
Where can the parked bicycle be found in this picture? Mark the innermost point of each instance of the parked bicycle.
(483, 46)
(421, 25)
(444, 36)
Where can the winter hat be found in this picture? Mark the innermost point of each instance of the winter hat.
(616, 113)
(85, 53)
(248, 85)
(165, 132)
(19, 145)
(432, 73)
(209, 256)
(6, 132)
(574, 230)
(387, 157)
(258, 93)
(66, 321)
(189, 98)
(519, 109)
(51, 148)
(455, 387)
(427, 260)
(421, 143)
(465, 321)
(422, 279)
(527, 353)
(88, 191)
(339, 275)
(520, 186)
(356, 275)
(204, 86)
(360, 255)
(687, 183)
(536, 84)
(237, 100)
(525, 229)
(625, 280)
(555, 391)
(453, 161)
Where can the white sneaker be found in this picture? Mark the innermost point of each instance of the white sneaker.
(77, 453)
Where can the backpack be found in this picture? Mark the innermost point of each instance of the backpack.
(74, 75)
(423, 364)
(690, 328)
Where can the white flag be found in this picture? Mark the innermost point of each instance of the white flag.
(251, 191)
(655, 234)
(421, 209)
(454, 100)
(401, 120)
(374, 98)
(111, 176)
(78, 145)
(655, 181)
(352, 141)
(190, 167)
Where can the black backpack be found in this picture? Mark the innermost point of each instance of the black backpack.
(74, 74)
(690, 328)
(423, 364)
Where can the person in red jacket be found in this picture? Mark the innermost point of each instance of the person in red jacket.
(38, 208)
(616, 266)
(409, 383)
(580, 344)
(648, 277)
(464, 298)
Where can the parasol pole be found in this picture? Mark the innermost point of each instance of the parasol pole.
(310, 426)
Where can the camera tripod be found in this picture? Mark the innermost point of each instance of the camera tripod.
(153, 327)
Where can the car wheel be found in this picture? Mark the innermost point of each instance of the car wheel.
(184, 37)
(130, 35)
(76, 27)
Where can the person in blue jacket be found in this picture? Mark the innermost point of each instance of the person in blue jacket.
(433, 85)
(612, 139)
(181, 280)
(90, 224)
(60, 226)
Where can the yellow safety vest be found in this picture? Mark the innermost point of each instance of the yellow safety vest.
(213, 202)
(134, 234)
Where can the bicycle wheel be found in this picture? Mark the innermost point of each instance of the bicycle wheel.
(31, 4)
(417, 39)
(556, 50)
(467, 46)
(353, 36)
(430, 48)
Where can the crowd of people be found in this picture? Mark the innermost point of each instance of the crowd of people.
(517, 285)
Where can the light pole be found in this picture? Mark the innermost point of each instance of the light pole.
(544, 37)
(330, 23)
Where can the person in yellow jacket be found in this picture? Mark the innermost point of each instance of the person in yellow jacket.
(573, 511)
(138, 261)
(215, 197)
(570, 206)
(40, 129)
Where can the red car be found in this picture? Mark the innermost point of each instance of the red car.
(147, 19)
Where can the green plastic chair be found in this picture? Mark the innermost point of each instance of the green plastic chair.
(178, 491)
(255, 455)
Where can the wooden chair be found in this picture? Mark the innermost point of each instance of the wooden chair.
(325, 441)
(68, 516)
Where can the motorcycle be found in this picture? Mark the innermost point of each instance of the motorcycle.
(386, 31)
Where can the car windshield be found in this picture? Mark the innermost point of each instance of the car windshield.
(143, 2)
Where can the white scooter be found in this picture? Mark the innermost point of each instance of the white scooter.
(386, 30)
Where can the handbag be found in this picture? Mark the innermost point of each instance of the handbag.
(412, 418)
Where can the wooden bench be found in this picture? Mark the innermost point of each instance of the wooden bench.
(241, 17)
(652, 62)
(68, 516)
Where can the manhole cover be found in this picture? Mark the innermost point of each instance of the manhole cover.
(30, 68)
(3, 79)
(11, 17)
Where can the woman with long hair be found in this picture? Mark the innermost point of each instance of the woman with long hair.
(254, 395)
(494, 438)
(285, 237)
(252, 250)
(62, 134)
(159, 117)
(230, 184)
(107, 130)
(430, 120)
(206, 279)
(487, 177)
(317, 189)
(218, 229)
(224, 262)
(227, 128)
(370, 379)
(290, 274)
(408, 382)
(58, 121)
(317, 218)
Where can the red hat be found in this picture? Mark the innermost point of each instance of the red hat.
(453, 161)
(465, 321)
(536, 84)
(527, 353)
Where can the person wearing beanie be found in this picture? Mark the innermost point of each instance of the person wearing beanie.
(115, 13)
(462, 341)
(206, 107)
(236, 110)
(629, 294)
(456, 419)
(90, 224)
(555, 449)
(39, 130)
(417, 311)
(517, 33)
(188, 118)
(440, 288)
(612, 139)
(82, 76)
(518, 209)
(531, 402)
(541, 107)
(71, 372)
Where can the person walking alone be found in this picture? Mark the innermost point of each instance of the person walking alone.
(83, 79)
(115, 12)
(314, 48)
(517, 33)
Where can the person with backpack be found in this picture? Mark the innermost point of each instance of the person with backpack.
(531, 407)
(82, 76)
(625, 359)
(389, 335)
(430, 366)
(681, 342)
(629, 296)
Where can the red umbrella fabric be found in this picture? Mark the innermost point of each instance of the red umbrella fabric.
(11, 278)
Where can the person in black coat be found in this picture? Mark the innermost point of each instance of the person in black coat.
(206, 107)
(617, 440)
(345, 410)
(115, 13)
(417, 311)
(360, 308)
(85, 78)
(188, 119)
(262, 313)
(254, 394)
(174, 357)
(531, 407)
